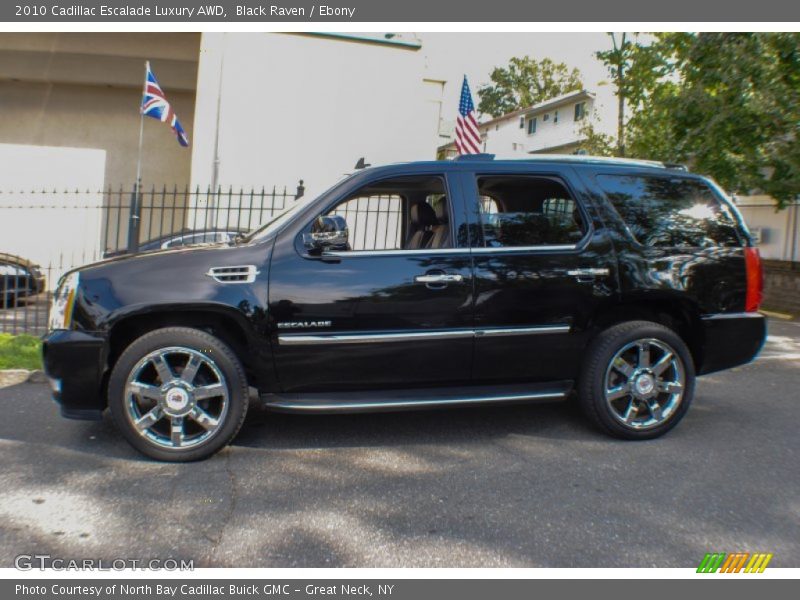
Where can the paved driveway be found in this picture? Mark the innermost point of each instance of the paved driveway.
(516, 486)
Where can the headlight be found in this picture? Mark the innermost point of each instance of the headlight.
(63, 302)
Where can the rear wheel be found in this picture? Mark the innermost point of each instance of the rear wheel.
(637, 381)
(178, 394)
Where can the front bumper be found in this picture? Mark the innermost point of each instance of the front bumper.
(731, 339)
(75, 363)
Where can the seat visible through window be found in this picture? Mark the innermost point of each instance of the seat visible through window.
(422, 220)
(397, 214)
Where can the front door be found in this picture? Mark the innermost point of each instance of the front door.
(392, 309)
(543, 265)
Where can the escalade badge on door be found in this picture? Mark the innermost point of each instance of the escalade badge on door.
(303, 324)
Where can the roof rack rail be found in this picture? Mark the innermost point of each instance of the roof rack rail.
(676, 166)
(480, 156)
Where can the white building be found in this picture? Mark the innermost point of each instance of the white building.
(276, 107)
(777, 232)
(551, 127)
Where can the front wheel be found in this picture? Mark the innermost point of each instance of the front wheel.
(178, 394)
(637, 381)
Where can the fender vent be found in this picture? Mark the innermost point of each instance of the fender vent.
(240, 274)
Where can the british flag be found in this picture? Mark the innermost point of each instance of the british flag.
(156, 105)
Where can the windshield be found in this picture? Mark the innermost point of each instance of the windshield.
(274, 223)
(280, 218)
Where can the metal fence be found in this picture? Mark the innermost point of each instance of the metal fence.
(43, 234)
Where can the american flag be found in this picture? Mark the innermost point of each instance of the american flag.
(468, 138)
(155, 104)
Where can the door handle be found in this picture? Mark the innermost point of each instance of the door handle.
(439, 278)
(587, 274)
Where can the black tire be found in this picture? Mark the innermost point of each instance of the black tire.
(212, 350)
(597, 367)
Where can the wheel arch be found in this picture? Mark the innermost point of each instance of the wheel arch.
(228, 325)
(671, 310)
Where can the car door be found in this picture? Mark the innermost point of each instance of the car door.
(543, 265)
(381, 313)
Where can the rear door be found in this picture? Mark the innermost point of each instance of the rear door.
(543, 265)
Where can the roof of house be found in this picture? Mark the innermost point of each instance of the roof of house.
(542, 106)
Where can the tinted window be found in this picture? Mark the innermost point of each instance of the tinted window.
(528, 211)
(670, 211)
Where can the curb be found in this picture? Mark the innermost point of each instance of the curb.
(778, 315)
(17, 376)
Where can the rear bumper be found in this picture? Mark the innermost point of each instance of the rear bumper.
(731, 339)
(75, 362)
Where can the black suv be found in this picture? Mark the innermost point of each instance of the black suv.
(430, 284)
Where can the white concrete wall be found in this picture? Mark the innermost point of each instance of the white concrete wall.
(307, 107)
(779, 230)
(59, 230)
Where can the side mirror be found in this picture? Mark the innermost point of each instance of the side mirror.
(327, 233)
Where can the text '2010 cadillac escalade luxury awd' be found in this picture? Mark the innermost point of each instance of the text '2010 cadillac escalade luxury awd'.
(430, 284)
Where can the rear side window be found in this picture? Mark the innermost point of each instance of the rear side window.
(520, 211)
(671, 211)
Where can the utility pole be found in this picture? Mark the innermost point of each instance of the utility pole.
(619, 52)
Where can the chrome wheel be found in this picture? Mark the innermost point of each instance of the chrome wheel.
(176, 397)
(644, 383)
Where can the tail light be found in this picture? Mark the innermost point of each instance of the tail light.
(755, 279)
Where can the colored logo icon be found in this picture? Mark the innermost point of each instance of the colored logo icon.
(735, 562)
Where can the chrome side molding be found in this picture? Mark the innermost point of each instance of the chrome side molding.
(371, 338)
(377, 338)
(732, 315)
(398, 400)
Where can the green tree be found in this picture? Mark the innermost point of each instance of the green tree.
(617, 61)
(638, 71)
(594, 142)
(730, 107)
(728, 104)
(526, 81)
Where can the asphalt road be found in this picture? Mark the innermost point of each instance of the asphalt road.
(515, 486)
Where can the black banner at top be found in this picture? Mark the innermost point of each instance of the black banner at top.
(739, 11)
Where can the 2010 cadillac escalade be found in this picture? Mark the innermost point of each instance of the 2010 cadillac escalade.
(430, 284)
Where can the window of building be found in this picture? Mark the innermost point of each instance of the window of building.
(398, 214)
(671, 211)
(520, 211)
(580, 110)
(522, 122)
(555, 117)
(546, 117)
(532, 126)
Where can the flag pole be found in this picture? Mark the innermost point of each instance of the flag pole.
(136, 208)
(141, 125)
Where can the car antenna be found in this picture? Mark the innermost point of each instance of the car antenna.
(361, 164)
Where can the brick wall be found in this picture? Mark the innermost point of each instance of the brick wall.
(782, 286)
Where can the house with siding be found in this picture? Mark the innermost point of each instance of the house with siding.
(550, 127)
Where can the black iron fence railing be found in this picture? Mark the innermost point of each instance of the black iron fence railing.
(44, 234)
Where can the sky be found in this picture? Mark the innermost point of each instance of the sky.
(450, 56)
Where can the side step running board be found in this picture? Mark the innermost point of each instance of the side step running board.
(395, 400)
